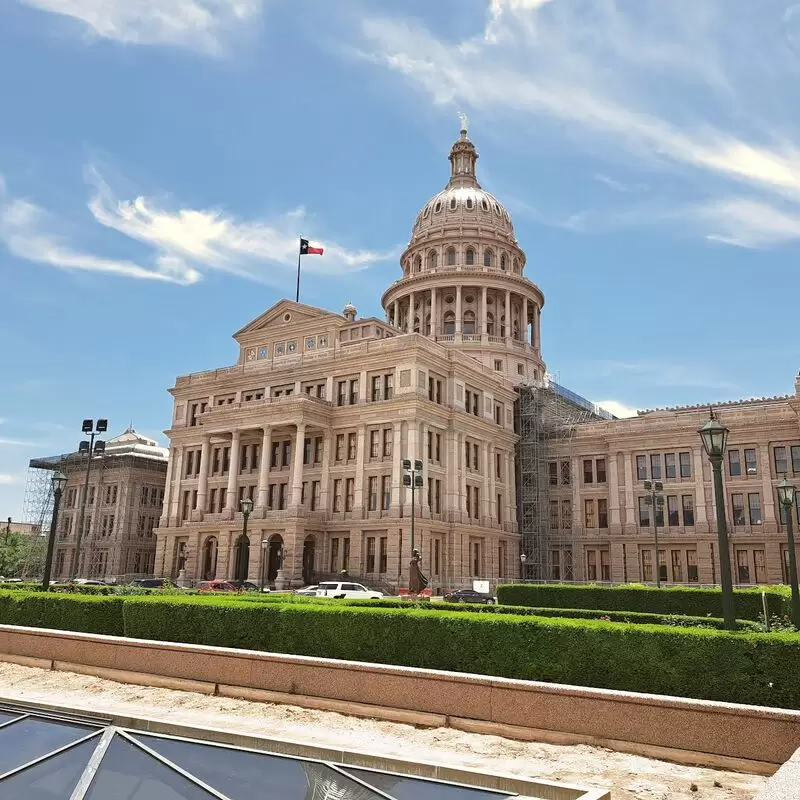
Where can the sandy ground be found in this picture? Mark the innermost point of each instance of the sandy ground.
(628, 776)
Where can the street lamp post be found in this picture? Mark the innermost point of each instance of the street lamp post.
(655, 499)
(715, 437)
(264, 551)
(59, 481)
(412, 476)
(246, 506)
(90, 447)
(522, 559)
(786, 493)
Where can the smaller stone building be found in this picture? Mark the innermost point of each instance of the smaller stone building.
(124, 497)
(601, 528)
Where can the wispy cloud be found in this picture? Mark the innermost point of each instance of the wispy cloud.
(618, 409)
(8, 480)
(180, 244)
(662, 84)
(662, 374)
(17, 443)
(203, 25)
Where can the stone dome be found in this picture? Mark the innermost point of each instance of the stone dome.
(463, 202)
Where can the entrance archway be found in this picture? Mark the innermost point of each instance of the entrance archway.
(309, 546)
(209, 571)
(274, 557)
(241, 558)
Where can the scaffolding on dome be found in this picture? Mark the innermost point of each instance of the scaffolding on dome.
(547, 417)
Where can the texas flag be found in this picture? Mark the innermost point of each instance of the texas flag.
(306, 250)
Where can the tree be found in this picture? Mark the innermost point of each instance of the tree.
(21, 555)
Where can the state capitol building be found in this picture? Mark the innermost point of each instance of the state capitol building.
(313, 421)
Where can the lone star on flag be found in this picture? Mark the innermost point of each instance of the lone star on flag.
(305, 250)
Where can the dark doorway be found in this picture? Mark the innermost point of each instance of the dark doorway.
(241, 558)
(275, 557)
(308, 559)
(210, 559)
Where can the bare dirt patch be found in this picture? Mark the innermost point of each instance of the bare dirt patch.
(629, 777)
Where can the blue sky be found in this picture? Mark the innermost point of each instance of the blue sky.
(159, 158)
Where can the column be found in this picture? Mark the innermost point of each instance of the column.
(297, 465)
(488, 483)
(538, 329)
(458, 311)
(263, 472)
(700, 518)
(175, 509)
(202, 484)
(769, 514)
(362, 386)
(326, 472)
(329, 387)
(462, 472)
(165, 506)
(395, 320)
(613, 494)
(630, 512)
(451, 485)
(411, 301)
(484, 305)
(511, 491)
(425, 455)
(397, 471)
(434, 314)
(358, 500)
(525, 329)
(233, 472)
(509, 327)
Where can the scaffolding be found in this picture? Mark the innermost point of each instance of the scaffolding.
(547, 416)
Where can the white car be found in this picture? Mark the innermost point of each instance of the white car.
(350, 591)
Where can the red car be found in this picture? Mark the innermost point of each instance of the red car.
(216, 586)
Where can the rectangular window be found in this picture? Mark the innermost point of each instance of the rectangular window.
(647, 565)
(476, 506)
(307, 450)
(436, 556)
(588, 472)
(687, 501)
(476, 559)
(350, 489)
(567, 559)
(370, 554)
(334, 565)
(677, 566)
(226, 460)
(734, 464)
(388, 386)
(553, 471)
(781, 463)
(499, 508)
(351, 446)
(346, 554)
(605, 566)
(662, 565)
(754, 504)
(750, 465)
(372, 492)
(685, 460)
(315, 490)
(742, 566)
(341, 393)
(795, 458)
(600, 465)
(339, 455)
(591, 565)
(641, 468)
(274, 456)
(374, 444)
(386, 492)
(737, 506)
(281, 496)
(354, 391)
(555, 565)
(318, 442)
(672, 510)
(388, 434)
(383, 554)
(375, 388)
(286, 454)
(475, 458)
(438, 458)
(655, 467)
(759, 566)
(691, 566)
(466, 454)
(337, 494)
(670, 470)
(602, 513)
(644, 513)
(554, 515)
(566, 514)
(566, 474)
(588, 514)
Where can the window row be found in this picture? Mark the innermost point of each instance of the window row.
(679, 511)
(471, 257)
(678, 559)
(650, 467)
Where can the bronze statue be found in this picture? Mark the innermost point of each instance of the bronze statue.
(417, 582)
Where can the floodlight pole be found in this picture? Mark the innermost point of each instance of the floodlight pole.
(88, 427)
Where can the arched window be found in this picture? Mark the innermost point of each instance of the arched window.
(427, 325)
(468, 325)
(470, 257)
(209, 571)
(469, 203)
(451, 256)
(488, 257)
(418, 264)
(438, 207)
(416, 324)
(433, 259)
(449, 327)
(452, 204)
(490, 324)
(484, 205)
(516, 266)
(516, 329)
(503, 325)
(503, 261)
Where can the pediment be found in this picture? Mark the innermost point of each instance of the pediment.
(286, 314)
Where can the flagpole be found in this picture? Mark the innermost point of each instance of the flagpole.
(297, 293)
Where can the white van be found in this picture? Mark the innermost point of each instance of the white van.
(347, 591)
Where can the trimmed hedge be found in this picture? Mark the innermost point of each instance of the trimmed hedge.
(635, 597)
(742, 667)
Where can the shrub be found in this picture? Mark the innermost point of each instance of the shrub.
(632, 597)
(81, 613)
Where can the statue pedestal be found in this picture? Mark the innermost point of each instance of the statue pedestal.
(281, 582)
(181, 579)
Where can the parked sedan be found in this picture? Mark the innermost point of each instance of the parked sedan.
(470, 596)
(216, 586)
(350, 591)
